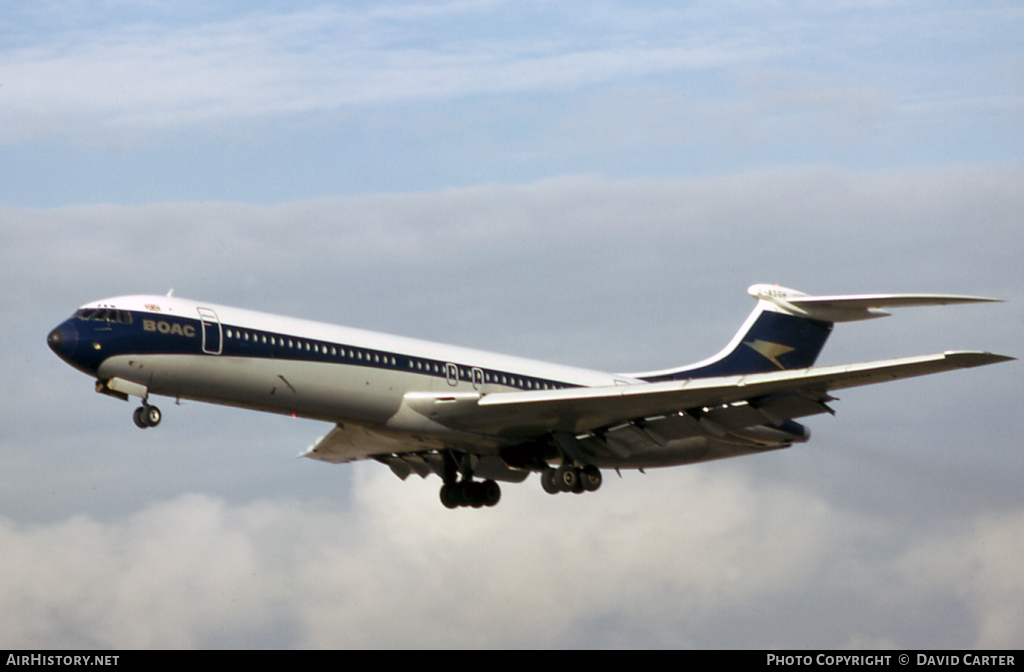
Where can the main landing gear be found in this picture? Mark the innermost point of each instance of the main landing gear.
(147, 416)
(470, 493)
(570, 478)
(466, 491)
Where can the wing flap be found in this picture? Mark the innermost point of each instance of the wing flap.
(629, 440)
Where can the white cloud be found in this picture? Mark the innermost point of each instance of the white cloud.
(174, 70)
(979, 566)
(650, 556)
(261, 64)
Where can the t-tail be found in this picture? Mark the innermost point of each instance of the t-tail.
(788, 329)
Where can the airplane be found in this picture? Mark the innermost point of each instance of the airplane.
(475, 418)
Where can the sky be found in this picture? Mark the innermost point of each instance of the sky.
(590, 184)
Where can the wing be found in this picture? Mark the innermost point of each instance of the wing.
(758, 398)
(349, 442)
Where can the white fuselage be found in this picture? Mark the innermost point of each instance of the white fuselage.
(255, 360)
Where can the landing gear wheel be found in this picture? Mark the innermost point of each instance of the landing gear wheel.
(140, 420)
(490, 492)
(567, 478)
(449, 495)
(468, 493)
(547, 481)
(147, 416)
(590, 478)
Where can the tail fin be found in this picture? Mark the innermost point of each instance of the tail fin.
(788, 329)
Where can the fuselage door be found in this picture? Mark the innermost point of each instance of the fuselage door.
(212, 337)
(452, 373)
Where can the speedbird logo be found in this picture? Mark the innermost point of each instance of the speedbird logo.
(768, 350)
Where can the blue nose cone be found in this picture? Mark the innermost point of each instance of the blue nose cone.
(63, 341)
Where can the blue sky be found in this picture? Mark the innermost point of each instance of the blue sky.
(594, 184)
(146, 102)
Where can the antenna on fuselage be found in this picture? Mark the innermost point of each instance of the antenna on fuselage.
(170, 292)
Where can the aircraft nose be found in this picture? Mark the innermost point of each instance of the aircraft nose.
(55, 340)
(62, 340)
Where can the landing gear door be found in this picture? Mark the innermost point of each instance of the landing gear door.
(212, 337)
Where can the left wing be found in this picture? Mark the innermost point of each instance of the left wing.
(348, 442)
(527, 415)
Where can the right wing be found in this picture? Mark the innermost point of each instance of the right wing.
(579, 410)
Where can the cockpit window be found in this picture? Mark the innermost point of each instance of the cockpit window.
(104, 315)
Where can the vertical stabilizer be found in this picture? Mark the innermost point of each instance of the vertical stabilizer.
(788, 329)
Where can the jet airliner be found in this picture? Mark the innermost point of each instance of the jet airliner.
(474, 418)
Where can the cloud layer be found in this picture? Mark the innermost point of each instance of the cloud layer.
(664, 560)
(157, 103)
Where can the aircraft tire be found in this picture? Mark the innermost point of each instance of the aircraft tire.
(468, 493)
(591, 478)
(476, 497)
(139, 418)
(567, 478)
(547, 481)
(490, 493)
(449, 496)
